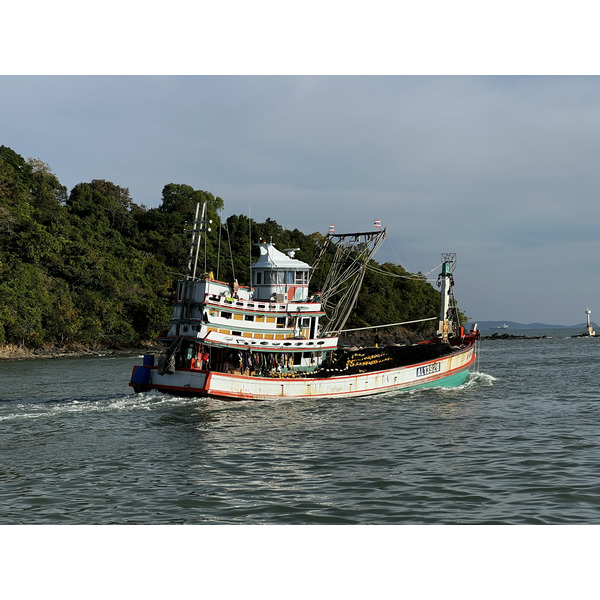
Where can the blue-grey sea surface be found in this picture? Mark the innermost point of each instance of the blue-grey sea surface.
(518, 443)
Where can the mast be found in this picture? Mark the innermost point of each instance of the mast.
(446, 283)
(198, 228)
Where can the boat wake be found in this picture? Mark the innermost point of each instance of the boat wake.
(477, 379)
(37, 408)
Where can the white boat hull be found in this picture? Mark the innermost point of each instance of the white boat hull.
(450, 370)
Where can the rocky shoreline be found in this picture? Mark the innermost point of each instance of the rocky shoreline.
(382, 337)
(15, 352)
(508, 336)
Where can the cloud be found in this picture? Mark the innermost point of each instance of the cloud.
(501, 170)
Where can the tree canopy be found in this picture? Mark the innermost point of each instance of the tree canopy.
(91, 266)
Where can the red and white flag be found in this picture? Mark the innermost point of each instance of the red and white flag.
(331, 229)
(377, 222)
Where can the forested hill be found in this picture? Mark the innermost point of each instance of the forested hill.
(92, 267)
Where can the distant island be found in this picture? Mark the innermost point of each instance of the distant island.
(499, 325)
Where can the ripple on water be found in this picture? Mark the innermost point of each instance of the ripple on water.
(516, 443)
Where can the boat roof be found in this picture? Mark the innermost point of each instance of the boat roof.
(271, 258)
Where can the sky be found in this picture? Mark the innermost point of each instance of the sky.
(501, 168)
(464, 126)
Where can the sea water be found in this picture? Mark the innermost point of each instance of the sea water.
(518, 443)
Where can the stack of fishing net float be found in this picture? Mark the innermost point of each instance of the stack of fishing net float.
(366, 360)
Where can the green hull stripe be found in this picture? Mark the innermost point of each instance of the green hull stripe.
(450, 381)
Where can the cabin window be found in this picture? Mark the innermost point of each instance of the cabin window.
(258, 277)
(305, 322)
(226, 315)
(281, 277)
(301, 277)
(236, 333)
(290, 278)
(260, 318)
(280, 321)
(297, 358)
(248, 317)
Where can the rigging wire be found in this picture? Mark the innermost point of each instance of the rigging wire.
(206, 230)
(388, 325)
(420, 277)
(230, 252)
(219, 250)
(250, 245)
(413, 276)
(394, 251)
(400, 262)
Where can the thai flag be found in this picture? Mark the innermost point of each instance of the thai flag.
(377, 222)
(331, 229)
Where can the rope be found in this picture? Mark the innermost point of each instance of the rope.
(398, 261)
(422, 277)
(388, 325)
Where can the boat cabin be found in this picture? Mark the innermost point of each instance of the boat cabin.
(278, 277)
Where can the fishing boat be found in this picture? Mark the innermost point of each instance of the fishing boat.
(274, 339)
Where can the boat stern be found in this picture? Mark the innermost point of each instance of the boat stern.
(146, 378)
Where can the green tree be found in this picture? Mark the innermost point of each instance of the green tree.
(24, 305)
(93, 267)
(15, 177)
(47, 194)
